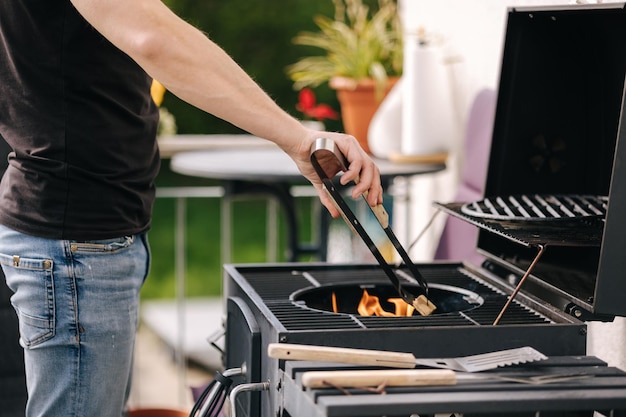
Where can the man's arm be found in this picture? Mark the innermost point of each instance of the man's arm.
(199, 72)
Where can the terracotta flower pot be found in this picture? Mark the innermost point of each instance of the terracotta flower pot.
(358, 102)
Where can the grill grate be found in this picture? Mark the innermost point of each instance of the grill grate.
(536, 207)
(276, 286)
(572, 232)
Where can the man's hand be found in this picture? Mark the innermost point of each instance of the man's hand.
(361, 169)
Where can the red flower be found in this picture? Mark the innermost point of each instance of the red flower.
(306, 104)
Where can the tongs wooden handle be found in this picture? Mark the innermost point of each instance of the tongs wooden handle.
(379, 210)
(383, 218)
(421, 303)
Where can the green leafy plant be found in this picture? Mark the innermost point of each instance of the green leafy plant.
(357, 44)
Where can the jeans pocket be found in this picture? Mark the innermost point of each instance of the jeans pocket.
(102, 246)
(32, 283)
(109, 262)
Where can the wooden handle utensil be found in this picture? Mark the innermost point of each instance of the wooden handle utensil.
(374, 378)
(471, 363)
(341, 355)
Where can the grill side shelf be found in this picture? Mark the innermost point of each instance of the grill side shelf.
(581, 232)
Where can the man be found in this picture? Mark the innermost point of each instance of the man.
(76, 199)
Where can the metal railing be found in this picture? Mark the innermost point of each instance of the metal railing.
(181, 195)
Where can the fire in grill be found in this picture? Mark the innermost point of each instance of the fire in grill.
(382, 300)
(301, 299)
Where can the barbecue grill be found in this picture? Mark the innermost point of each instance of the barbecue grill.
(551, 229)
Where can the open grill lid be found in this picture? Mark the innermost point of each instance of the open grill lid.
(559, 130)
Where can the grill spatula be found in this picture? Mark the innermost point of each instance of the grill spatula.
(472, 363)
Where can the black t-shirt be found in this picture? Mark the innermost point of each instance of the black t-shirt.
(79, 118)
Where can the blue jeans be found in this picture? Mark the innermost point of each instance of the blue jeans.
(77, 304)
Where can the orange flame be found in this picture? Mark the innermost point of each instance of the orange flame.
(370, 306)
(402, 308)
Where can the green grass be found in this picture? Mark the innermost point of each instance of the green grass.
(203, 252)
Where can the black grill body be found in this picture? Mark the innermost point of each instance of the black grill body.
(261, 309)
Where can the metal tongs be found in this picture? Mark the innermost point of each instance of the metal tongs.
(328, 161)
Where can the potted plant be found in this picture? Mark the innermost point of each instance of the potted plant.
(362, 57)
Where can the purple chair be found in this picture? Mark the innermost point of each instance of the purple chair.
(458, 239)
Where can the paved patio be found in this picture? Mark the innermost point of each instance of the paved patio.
(159, 381)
